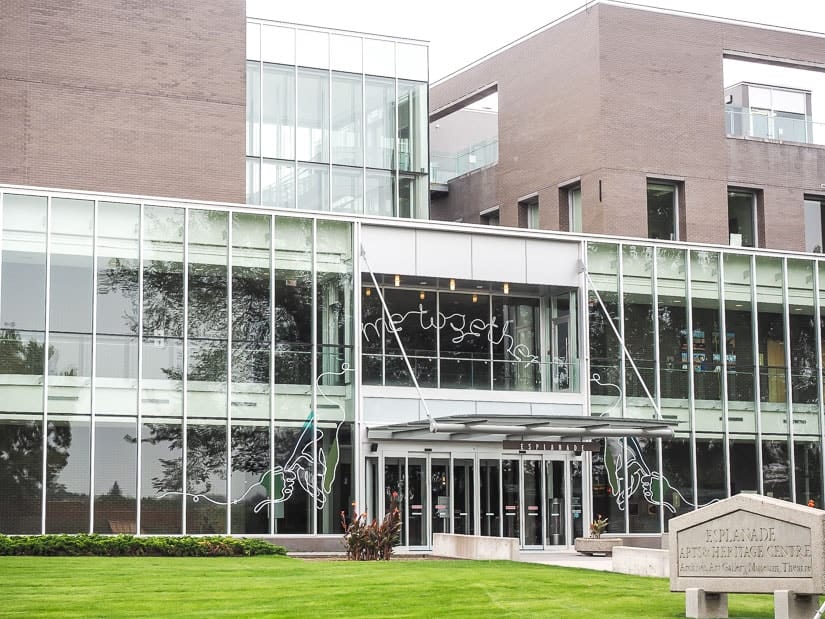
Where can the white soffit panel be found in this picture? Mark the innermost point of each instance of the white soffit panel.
(552, 262)
(389, 250)
(499, 259)
(443, 254)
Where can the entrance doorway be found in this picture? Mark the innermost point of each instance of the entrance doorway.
(535, 497)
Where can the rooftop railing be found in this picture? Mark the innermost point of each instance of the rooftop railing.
(446, 166)
(779, 126)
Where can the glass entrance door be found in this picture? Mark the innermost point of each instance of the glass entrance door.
(490, 497)
(463, 514)
(555, 491)
(532, 514)
(510, 489)
(418, 502)
(440, 484)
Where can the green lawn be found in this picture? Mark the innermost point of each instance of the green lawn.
(285, 587)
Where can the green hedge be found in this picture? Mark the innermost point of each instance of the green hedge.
(129, 546)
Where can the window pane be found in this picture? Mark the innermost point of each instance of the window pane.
(465, 351)
(412, 61)
(278, 138)
(115, 477)
(206, 479)
(313, 187)
(161, 503)
(313, 115)
(67, 487)
(312, 49)
(253, 108)
(380, 193)
(22, 303)
(379, 57)
(278, 184)
(347, 190)
(814, 231)
(739, 351)
(380, 115)
(347, 119)
(515, 338)
(740, 218)
(21, 476)
(412, 126)
(250, 479)
(278, 44)
(253, 41)
(638, 330)
(345, 53)
(253, 181)
(661, 211)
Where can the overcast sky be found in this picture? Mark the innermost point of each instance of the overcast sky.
(460, 31)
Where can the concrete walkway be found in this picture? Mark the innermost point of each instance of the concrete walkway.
(567, 558)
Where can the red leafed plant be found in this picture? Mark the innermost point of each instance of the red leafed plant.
(367, 540)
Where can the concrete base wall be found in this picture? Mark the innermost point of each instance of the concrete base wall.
(641, 561)
(475, 547)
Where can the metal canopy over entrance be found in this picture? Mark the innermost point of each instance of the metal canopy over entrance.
(496, 428)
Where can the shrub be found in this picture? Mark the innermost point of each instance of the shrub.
(372, 541)
(132, 546)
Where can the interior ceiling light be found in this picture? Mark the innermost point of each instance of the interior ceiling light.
(421, 295)
(397, 280)
(475, 298)
(506, 288)
(452, 284)
(368, 291)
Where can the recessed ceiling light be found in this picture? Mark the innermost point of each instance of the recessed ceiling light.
(423, 283)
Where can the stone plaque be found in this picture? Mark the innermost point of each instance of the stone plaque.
(748, 544)
(745, 544)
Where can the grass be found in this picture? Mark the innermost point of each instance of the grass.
(285, 587)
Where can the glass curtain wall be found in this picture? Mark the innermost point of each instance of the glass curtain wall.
(328, 132)
(457, 340)
(199, 375)
(736, 348)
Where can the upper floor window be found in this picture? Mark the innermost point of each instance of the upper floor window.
(574, 206)
(662, 211)
(528, 213)
(491, 217)
(769, 112)
(742, 218)
(814, 223)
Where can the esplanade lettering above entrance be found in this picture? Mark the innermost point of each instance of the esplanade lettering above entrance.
(748, 544)
(551, 445)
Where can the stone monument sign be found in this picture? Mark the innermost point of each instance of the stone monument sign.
(749, 544)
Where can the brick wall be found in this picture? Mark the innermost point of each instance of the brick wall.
(132, 97)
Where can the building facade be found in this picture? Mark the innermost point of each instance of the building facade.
(637, 123)
(256, 357)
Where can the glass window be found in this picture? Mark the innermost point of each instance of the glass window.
(413, 197)
(802, 325)
(347, 190)
(706, 346)
(205, 478)
(380, 116)
(741, 218)
(253, 108)
(605, 349)
(251, 305)
(162, 310)
(115, 477)
(278, 184)
(678, 478)
(345, 53)
(465, 341)
(661, 212)
(313, 187)
(293, 306)
(514, 334)
(250, 479)
(373, 330)
(744, 470)
(67, 484)
(710, 470)
(253, 180)
(253, 41)
(70, 306)
(418, 336)
(528, 213)
(380, 193)
(412, 127)
(638, 330)
(379, 57)
(118, 305)
(312, 49)
(347, 119)
(574, 204)
(741, 360)
(412, 61)
(313, 115)
(808, 464)
(776, 471)
(22, 303)
(21, 475)
(673, 327)
(207, 319)
(278, 44)
(278, 137)
(814, 224)
(161, 494)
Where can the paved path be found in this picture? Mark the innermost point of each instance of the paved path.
(568, 559)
